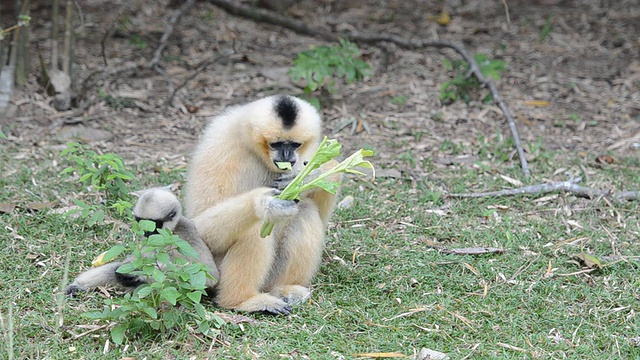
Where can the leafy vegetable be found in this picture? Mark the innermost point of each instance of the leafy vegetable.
(328, 149)
(283, 165)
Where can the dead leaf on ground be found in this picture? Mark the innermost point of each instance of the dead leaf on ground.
(512, 181)
(38, 206)
(605, 159)
(235, 319)
(474, 251)
(346, 203)
(536, 103)
(589, 260)
(428, 354)
(7, 208)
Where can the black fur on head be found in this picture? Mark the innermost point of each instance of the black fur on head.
(287, 110)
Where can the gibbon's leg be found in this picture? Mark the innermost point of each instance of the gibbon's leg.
(94, 277)
(302, 244)
(243, 272)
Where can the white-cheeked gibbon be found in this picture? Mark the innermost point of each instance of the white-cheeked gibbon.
(229, 193)
(162, 207)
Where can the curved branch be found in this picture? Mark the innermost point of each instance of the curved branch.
(570, 186)
(266, 16)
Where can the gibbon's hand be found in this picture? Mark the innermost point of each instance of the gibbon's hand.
(271, 209)
(283, 180)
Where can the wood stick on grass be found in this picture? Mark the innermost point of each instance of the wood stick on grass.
(570, 186)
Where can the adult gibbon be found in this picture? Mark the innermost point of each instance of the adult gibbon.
(162, 207)
(230, 192)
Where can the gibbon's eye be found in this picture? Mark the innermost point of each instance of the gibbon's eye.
(171, 215)
(276, 145)
(295, 145)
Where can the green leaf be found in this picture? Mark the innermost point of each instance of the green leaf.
(156, 240)
(589, 260)
(195, 296)
(112, 253)
(144, 291)
(85, 177)
(186, 249)
(117, 333)
(126, 268)
(158, 275)
(192, 268)
(147, 226)
(199, 279)
(163, 258)
(95, 314)
(170, 294)
(67, 170)
(151, 312)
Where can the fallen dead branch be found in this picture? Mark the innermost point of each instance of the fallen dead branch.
(261, 15)
(473, 251)
(570, 186)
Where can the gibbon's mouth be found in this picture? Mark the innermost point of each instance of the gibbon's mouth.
(279, 164)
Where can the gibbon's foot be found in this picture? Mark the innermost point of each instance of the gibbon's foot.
(291, 294)
(73, 290)
(265, 303)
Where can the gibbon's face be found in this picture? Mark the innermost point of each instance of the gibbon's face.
(159, 206)
(284, 151)
(285, 129)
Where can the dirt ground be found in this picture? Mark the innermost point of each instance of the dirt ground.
(587, 68)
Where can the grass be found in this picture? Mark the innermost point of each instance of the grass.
(382, 286)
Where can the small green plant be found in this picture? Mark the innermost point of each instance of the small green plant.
(408, 158)
(546, 29)
(319, 65)
(464, 83)
(138, 41)
(116, 102)
(398, 100)
(2, 135)
(104, 173)
(170, 300)
(23, 20)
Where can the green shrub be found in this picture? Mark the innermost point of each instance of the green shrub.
(170, 300)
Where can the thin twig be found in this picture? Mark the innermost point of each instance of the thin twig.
(570, 186)
(506, 11)
(256, 14)
(67, 50)
(103, 43)
(169, 30)
(54, 34)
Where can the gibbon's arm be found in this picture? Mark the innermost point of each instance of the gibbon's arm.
(221, 224)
